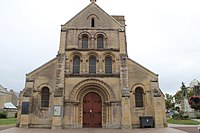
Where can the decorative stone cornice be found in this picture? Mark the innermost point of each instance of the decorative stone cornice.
(115, 75)
(89, 49)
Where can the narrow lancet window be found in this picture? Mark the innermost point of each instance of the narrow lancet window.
(108, 65)
(100, 43)
(76, 65)
(139, 97)
(84, 41)
(45, 97)
(92, 22)
(92, 65)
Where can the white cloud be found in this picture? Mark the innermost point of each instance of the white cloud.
(164, 36)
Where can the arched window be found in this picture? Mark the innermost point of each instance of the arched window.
(100, 43)
(92, 22)
(85, 41)
(108, 65)
(92, 65)
(45, 97)
(139, 97)
(76, 65)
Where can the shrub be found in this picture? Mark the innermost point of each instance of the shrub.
(185, 116)
(198, 115)
(176, 116)
(180, 115)
(3, 114)
(194, 102)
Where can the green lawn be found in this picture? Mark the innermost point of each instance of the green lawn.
(182, 122)
(8, 122)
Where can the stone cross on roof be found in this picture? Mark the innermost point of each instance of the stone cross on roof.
(93, 0)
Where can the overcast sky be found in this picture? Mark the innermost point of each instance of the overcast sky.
(162, 35)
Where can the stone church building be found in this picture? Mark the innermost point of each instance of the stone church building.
(91, 83)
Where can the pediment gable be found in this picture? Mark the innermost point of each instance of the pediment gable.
(100, 19)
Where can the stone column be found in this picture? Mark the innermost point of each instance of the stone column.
(58, 103)
(92, 43)
(158, 106)
(125, 102)
(126, 113)
(115, 109)
(23, 117)
(57, 113)
(24, 109)
(159, 116)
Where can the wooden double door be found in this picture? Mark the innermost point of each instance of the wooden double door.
(92, 110)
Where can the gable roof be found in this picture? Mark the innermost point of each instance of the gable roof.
(142, 67)
(46, 65)
(16, 93)
(81, 20)
(2, 89)
(9, 105)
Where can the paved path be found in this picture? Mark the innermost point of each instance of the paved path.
(187, 128)
(196, 120)
(4, 127)
(92, 130)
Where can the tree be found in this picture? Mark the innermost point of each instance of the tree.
(195, 102)
(169, 102)
(190, 93)
(178, 97)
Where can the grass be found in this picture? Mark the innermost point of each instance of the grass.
(183, 122)
(8, 122)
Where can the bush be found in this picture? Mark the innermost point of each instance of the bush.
(185, 116)
(3, 114)
(198, 115)
(180, 115)
(194, 102)
(177, 116)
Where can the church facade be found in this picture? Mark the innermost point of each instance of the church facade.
(91, 83)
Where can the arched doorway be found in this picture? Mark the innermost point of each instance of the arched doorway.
(92, 110)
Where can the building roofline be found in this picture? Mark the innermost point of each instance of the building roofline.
(143, 67)
(41, 66)
(86, 8)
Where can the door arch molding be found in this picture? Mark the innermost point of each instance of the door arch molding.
(89, 83)
(96, 86)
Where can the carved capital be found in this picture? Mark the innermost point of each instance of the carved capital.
(156, 93)
(27, 92)
(125, 92)
(58, 92)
